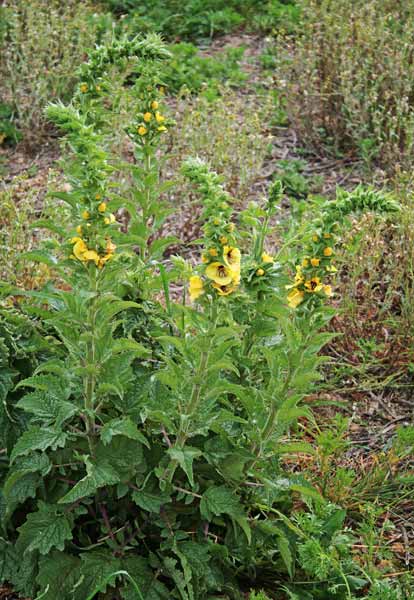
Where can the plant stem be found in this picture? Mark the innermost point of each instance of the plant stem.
(90, 379)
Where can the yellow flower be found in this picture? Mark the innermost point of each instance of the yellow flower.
(315, 262)
(110, 219)
(219, 273)
(327, 251)
(104, 259)
(305, 262)
(110, 246)
(236, 277)
(196, 287)
(267, 258)
(79, 248)
(98, 88)
(331, 269)
(327, 236)
(79, 229)
(313, 285)
(98, 196)
(231, 227)
(260, 272)
(216, 222)
(223, 240)
(162, 128)
(159, 118)
(85, 215)
(84, 88)
(295, 297)
(142, 130)
(315, 238)
(147, 117)
(232, 257)
(328, 290)
(154, 105)
(91, 255)
(213, 252)
(102, 207)
(224, 290)
(204, 259)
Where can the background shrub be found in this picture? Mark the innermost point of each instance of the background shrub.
(351, 79)
(41, 43)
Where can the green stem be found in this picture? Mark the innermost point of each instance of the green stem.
(90, 379)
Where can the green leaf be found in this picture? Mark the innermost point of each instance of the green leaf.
(44, 530)
(122, 426)
(8, 561)
(58, 575)
(47, 408)
(122, 345)
(98, 475)
(222, 500)
(38, 438)
(185, 457)
(151, 501)
(40, 256)
(98, 568)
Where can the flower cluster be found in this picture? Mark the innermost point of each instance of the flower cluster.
(150, 123)
(95, 244)
(310, 274)
(221, 259)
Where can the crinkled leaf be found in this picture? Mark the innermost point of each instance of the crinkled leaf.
(98, 475)
(122, 426)
(44, 529)
(185, 457)
(38, 438)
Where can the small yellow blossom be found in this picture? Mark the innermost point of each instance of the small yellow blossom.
(154, 105)
(79, 248)
(315, 238)
(313, 285)
(162, 128)
(305, 262)
(142, 130)
(236, 277)
(267, 258)
(84, 88)
(204, 259)
(232, 257)
(260, 272)
(216, 222)
(315, 262)
(98, 88)
(110, 219)
(331, 269)
(159, 118)
(328, 290)
(79, 229)
(223, 240)
(219, 273)
(91, 255)
(196, 287)
(213, 252)
(327, 251)
(231, 227)
(85, 215)
(224, 290)
(147, 117)
(98, 196)
(102, 207)
(110, 246)
(295, 297)
(327, 236)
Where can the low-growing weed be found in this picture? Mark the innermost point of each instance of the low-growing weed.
(188, 71)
